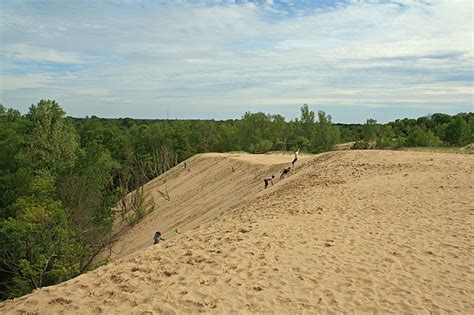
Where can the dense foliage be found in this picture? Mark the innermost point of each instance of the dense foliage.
(428, 131)
(60, 177)
(55, 198)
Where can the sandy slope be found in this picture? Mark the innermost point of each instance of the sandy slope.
(210, 185)
(363, 231)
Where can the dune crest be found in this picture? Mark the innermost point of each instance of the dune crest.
(364, 231)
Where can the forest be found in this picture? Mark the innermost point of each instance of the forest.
(62, 178)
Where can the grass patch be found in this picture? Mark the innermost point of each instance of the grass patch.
(458, 150)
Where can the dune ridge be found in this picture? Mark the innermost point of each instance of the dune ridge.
(349, 231)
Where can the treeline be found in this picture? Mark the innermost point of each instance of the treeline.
(62, 179)
(428, 131)
(254, 133)
(259, 133)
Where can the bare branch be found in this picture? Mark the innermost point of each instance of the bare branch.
(165, 194)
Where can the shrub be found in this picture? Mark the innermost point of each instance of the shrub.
(422, 138)
(361, 145)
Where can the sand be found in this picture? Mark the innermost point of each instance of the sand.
(347, 231)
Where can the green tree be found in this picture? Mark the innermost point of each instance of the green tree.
(52, 141)
(420, 137)
(307, 121)
(325, 135)
(206, 133)
(470, 121)
(457, 131)
(36, 246)
(12, 140)
(440, 119)
(386, 137)
(89, 196)
(255, 132)
(93, 130)
(227, 138)
(279, 135)
(370, 130)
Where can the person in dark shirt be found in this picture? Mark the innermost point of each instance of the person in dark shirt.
(285, 172)
(157, 238)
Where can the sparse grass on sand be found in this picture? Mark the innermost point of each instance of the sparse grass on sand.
(274, 153)
(469, 149)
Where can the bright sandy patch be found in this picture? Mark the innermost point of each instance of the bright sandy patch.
(363, 231)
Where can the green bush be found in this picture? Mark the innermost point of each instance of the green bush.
(263, 146)
(361, 145)
(422, 138)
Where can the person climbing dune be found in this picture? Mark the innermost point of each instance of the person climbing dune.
(268, 179)
(285, 172)
(297, 156)
(157, 238)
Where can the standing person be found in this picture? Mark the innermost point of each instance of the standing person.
(268, 179)
(297, 156)
(285, 172)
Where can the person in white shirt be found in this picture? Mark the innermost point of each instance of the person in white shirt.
(297, 156)
(268, 179)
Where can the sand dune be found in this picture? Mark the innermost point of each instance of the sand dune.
(348, 231)
(209, 186)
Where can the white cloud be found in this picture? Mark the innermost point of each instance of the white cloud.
(13, 83)
(93, 91)
(25, 52)
(145, 53)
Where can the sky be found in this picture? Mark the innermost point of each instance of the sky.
(204, 59)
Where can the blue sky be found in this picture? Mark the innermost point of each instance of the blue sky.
(354, 59)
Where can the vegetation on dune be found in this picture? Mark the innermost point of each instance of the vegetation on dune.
(61, 177)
